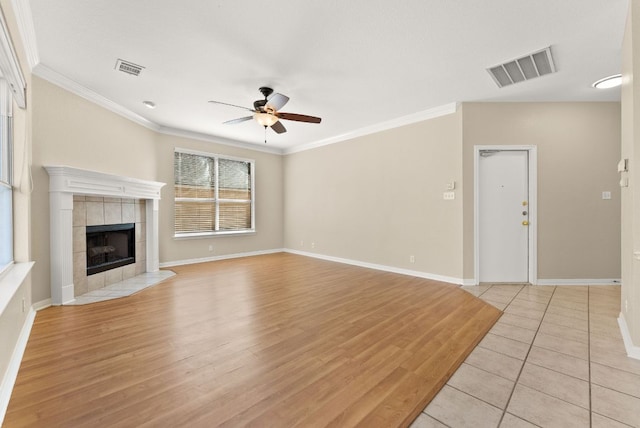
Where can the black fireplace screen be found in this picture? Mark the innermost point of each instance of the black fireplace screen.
(110, 246)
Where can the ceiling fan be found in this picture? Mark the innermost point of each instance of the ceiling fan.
(266, 113)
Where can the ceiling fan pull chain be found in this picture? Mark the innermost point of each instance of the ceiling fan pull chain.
(265, 134)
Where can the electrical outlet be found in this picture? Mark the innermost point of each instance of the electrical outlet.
(412, 259)
(313, 245)
(210, 247)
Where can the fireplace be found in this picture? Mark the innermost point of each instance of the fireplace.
(110, 246)
(64, 183)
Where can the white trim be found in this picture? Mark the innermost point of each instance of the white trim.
(222, 257)
(42, 304)
(419, 274)
(578, 281)
(27, 30)
(533, 208)
(632, 350)
(58, 79)
(10, 375)
(219, 140)
(10, 66)
(79, 181)
(469, 282)
(11, 280)
(432, 113)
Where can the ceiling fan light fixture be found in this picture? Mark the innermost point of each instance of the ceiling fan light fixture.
(265, 119)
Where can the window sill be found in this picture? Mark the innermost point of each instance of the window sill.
(11, 280)
(213, 234)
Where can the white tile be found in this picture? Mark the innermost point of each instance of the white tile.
(425, 421)
(495, 362)
(546, 411)
(447, 407)
(615, 405)
(483, 385)
(505, 346)
(566, 388)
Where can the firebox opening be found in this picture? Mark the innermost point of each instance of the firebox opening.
(110, 246)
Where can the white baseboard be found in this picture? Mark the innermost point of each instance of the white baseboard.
(579, 282)
(632, 350)
(42, 304)
(419, 274)
(223, 257)
(10, 375)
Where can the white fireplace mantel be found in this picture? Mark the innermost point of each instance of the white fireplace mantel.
(64, 182)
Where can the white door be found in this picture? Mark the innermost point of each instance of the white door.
(503, 214)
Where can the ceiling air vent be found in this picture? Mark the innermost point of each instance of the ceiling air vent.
(128, 67)
(528, 67)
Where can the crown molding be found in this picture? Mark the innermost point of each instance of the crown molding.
(58, 79)
(379, 127)
(218, 140)
(24, 18)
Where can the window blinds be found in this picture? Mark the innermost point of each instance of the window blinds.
(212, 194)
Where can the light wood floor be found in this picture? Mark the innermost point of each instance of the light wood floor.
(278, 340)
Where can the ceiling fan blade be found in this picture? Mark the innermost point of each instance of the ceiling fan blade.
(231, 105)
(276, 101)
(279, 127)
(299, 117)
(239, 120)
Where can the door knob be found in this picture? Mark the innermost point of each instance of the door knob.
(525, 223)
(524, 213)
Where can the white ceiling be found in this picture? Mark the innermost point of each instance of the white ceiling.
(354, 63)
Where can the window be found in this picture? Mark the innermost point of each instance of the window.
(6, 194)
(214, 195)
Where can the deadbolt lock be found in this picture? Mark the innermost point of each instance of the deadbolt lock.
(525, 223)
(524, 213)
(524, 203)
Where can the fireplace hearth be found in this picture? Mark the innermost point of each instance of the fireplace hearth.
(110, 246)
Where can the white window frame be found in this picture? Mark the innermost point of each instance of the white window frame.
(216, 199)
(6, 166)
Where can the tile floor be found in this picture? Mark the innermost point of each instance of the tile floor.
(123, 288)
(554, 359)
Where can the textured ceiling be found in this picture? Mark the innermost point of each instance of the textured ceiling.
(354, 63)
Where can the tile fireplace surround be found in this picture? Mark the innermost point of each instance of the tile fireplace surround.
(64, 183)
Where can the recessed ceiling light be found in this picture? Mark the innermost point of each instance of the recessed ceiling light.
(608, 82)
(149, 104)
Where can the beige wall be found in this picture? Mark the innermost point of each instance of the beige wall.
(13, 318)
(378, 198)
(269, 204)
(69, 130)
(631, 195)
(578, 150)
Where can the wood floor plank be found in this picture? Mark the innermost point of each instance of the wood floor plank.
(274, 340)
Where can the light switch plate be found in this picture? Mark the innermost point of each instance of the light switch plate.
(606, 195)
(449, 195)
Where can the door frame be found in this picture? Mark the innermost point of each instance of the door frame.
(533, 207)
